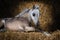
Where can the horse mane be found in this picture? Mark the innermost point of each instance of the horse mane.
(22, 19)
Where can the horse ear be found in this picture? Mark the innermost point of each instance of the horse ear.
(35, 6)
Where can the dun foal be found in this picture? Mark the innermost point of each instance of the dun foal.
(20, 23)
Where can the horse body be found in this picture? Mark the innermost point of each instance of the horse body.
(18, 24)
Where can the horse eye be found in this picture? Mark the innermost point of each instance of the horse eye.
(33, 14)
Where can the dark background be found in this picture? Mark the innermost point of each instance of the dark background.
(7, 5)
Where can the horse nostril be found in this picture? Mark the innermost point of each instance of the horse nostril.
(33, 14)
